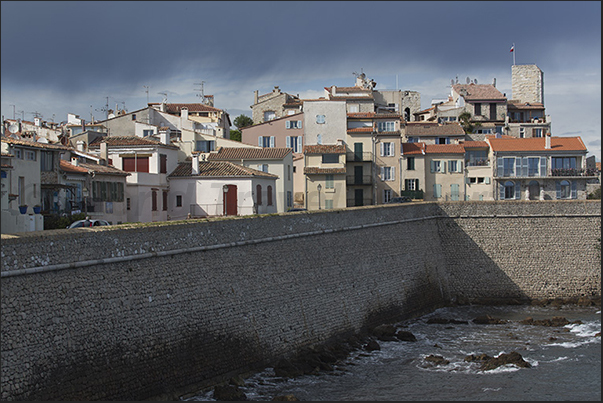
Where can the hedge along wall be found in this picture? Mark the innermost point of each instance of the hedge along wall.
(137, 312)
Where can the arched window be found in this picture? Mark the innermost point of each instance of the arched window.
(258, 196)
(565, 189)
(509, 190)
(407, 114)
(269, 195)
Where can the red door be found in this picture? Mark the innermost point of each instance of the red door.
(231, 200)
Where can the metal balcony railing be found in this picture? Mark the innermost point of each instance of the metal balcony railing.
(413, 194)
(573, 172)
(358, 180)
(363, 156)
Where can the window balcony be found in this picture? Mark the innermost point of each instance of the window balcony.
(358, 180)
(413, 194)
(573, 172)
(359, 157)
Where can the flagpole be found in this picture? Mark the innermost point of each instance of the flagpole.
(513, 54)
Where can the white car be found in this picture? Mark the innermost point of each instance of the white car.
(91, 223)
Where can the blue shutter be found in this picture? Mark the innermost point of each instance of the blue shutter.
(450, 166)
(558, 188)
(287, 125)
(524, 167)
(487, 180)
(432, 166)
(574, 190)
(501, 191)
(435, 190)
(500, 167)
(299, 124)
(517, 166)
(542, 166)
(260, 141)
(517, 190)
(299, 143)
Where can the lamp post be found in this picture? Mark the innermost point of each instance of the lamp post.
(319, 188)
(85, 194)
(225, 191)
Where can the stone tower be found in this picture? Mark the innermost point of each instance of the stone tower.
(527, 83)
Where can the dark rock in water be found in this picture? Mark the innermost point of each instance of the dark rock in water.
(286, 369)
(489, 363)
(285, 398)
(372, 345)
(488, 320)
(444, 321)
(237, 381)
(404, 335)
(385, 332)
(229, 393)
(437, 360)
(556, 321)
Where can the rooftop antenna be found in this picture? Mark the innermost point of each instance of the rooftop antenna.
(164, 96)
(147, 91)
(201, 93)
(22, 114)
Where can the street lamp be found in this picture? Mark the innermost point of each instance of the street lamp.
(85, 194)
(319, 188)
(225, 190)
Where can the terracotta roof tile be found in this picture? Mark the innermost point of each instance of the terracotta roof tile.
(246, 153)
(476, 144)
(218, 169)
(518, 105)
(361, 130)
(324, 171)
(35, 144)
(537, 144)
(84, 167)
(128, 141)
(444, 149)
(324, 149)
(449, 129)
(413, 148)
(479, 92)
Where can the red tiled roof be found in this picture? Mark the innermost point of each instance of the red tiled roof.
(537, 144)
(84, 167)
(518, 105)
(194, 107)
(218, 169)
(247, 153)
(413, 148)
(479, 92)
(323, 171)
(476, 144)
(324, 149)
(449, 129)
(35, 144)
(128, 141)
(368, 129)
(444, 149)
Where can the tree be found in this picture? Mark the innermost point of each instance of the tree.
(468, 126)
(242, 121)
(235, 135)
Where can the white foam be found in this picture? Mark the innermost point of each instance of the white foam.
(588, 329)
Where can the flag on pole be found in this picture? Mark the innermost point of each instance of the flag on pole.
(512, 48)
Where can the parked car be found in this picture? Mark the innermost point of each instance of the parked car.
(401, 199)
(91, 223)
(296, 209)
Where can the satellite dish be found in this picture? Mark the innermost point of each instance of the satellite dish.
(42, 140)
(475, 81)
(13, 128)
(451, 82)
(468, 80)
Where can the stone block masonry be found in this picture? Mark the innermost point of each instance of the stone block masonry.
(135, 312)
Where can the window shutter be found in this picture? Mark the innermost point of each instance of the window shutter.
(558, 189)
(517, 190)
(299, 144)
(450, 166)
(432, 166)
(574, 190)
(524, 168)
(299, 124)
(501, 191)
(393, 171)
(499, 167)
(435, 190)
(287, 125)
(260, 141)
(288, 142)
(416, 184)
(542, 166)
(460, 166)
(381, 147)
(487, 180)
(518, 166)
(392, 151)
(382, 172)
(443, 167)
(272, 141)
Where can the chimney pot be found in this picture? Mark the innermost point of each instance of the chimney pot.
(195, 166)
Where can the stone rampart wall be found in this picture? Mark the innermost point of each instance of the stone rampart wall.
(131, 313)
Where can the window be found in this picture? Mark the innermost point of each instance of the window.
(178, 201)
(328, 204)
(455, 166)
(522, 132)
(388, 173)
(533, 164)
(293, 124)
(437, 190)
(266, 141)
(492, 111)
(162, 163)
(21, 190)
(510, 190)
(330, 158)
(353, 108)
(320, 119)
(410, 164)
(438, 166)
(566, 189)
(263, 167)
(146, 133)
(30, 155)
(329, 181)
(477, 109)
(108, 208)
(537, 132)
(387, 195)
(387, 149)
(319, 139)
(128, 204)
(165, 200)
(258, 198)
(442, 140)
(476, 158)
(205, 146)
(269, 115)
(294, 142)
(269, 195)
(18, 153)
(46, 160)
(386, 126)
(154, 200)
(133, 116)
(289, 199)
(564, 163)
(411, 184)
(506, 166)
(135, 164)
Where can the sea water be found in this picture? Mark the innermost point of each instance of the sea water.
(565, 361)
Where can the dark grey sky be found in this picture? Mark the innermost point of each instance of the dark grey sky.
(60, 57)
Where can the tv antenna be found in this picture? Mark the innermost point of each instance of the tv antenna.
(201, 93)
(164, 96)
(105, 109)
(22, 114)
(36, 114)
(147, 91)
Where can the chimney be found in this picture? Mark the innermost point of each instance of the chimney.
(104, 153)
(494, 82)
(80, 145)
(255, 97)
(547, 141)
(163, 106)
(37, 121)
(195, 166)
(184, 113)
(74, 161)
(163, 136)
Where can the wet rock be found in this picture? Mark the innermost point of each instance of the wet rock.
(488, 320)
(404, 335)
(229, 393)
(489, 363)
(556, 321)
(286, 369)
(237, 381)
(385, 332)
(285, 398)
(445, 321)
(372, 345)
(436, 360)
(477, 358)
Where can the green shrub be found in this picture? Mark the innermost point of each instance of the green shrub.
(61, 222)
